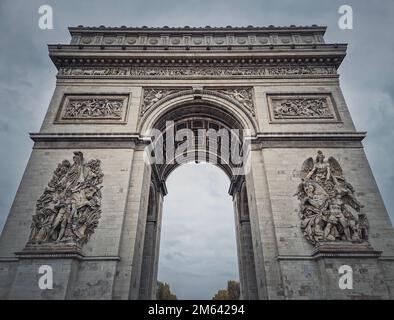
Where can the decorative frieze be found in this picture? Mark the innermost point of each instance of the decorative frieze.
(329, 210)
(301, 107)
(96, 108)
(106, 71)
(199, 72)
(197, 40)
(68, 211)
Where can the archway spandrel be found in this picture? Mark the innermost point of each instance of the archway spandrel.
(222, 99)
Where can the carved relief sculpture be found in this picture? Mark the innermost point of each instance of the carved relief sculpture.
(302, 108)
(102, 108)
(199, 71)
(93, 72)
(329, 210)
(94, 108)
(68, 211)
(153, 95)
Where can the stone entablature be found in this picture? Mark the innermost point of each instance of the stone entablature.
(175, 52)
(189, 36)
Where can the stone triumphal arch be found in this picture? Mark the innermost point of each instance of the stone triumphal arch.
(90, 201)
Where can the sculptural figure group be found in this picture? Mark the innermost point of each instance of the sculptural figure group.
(329, 210)
(69, 209)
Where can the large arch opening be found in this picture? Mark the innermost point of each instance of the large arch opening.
(198, 253)
(195, 117)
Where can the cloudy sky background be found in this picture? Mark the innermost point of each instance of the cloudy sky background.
(195, 261)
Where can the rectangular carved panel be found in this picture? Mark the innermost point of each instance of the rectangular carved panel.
(301, 107)
(103, 108)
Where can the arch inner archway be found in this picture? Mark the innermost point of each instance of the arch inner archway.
(196, 117)
(198, 253)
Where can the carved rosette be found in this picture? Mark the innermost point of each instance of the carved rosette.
(68, 211)
(329, 210)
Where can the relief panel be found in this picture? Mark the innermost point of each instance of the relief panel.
(302, 108)
(103, 108)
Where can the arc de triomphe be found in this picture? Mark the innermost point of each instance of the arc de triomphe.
(90, 206)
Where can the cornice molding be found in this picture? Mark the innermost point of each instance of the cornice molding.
(279, 136)
(62, 136)
(311, 136)
(205, 29)
(69, 55)
(183, 47)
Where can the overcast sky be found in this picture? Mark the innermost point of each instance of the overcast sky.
(189, 256)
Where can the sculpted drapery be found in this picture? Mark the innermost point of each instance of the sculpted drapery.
(69, 209)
